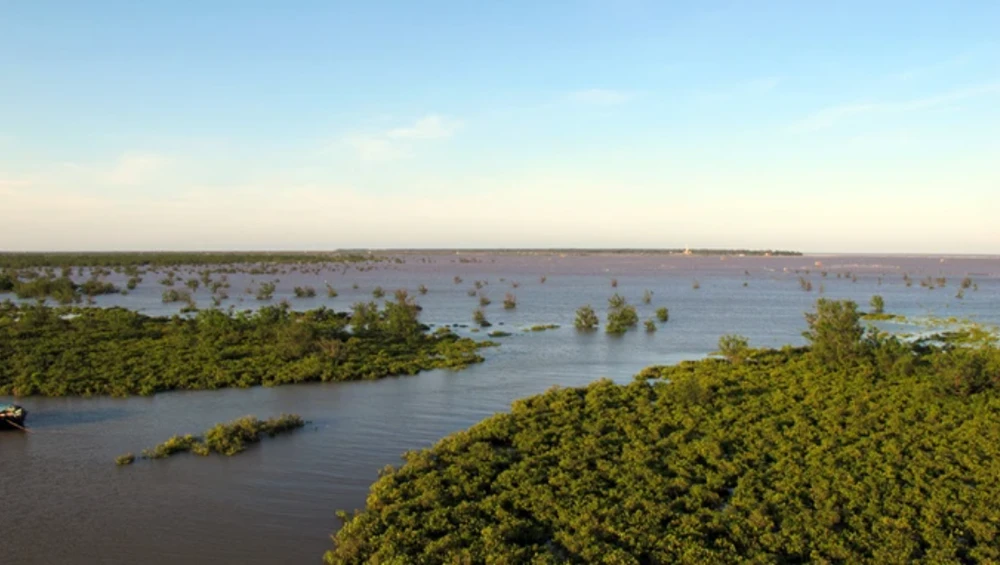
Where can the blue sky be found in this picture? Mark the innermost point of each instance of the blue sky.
(843, 126)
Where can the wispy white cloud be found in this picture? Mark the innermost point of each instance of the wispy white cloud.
(373, 148)
(136, 168)
(830, 116)
(428, 127)
(979, 54)
(752, 87)
(601, 96)
(396, 142)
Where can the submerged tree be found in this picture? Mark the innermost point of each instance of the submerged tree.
(662, 314)
(877, 304)
(479, 317)
(304, 292)
(621, 315)
(586, 318)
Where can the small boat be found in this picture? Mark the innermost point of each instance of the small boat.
(12, 417)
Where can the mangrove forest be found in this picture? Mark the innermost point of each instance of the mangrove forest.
(860, 448)
(114, 351)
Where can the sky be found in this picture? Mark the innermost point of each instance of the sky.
(850, 126)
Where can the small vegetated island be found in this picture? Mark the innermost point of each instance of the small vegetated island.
(113, 351)
(861, 448)
(226, 439)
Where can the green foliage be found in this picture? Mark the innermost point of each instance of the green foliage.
(484, 301)
(7, 281)
(61, 289)
(173, 295)
(662, 314)
(878, 304)
(365, 319)
(401, 318)
(499, 333)
(305, 292)
(479, 317)
(735, 348)
(542, 327)
(586, 318)
(331, 292)
(835, 333)
(94, 287)
(114, 351)
(650, 326)
(377, 292)
(266, 291)
(168, 259)
(226, 439)
(621, 315)
(509, 302)
(778, 461)
(173, 446)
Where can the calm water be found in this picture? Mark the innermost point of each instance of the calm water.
(64, 500)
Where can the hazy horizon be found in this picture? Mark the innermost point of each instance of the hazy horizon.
(848, 128)
(500, 250)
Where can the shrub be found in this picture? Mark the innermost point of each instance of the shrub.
(662, 314)
(266, 291)
(586, 318)
(479, 317)
(835, 333)
(735, 348)
(305, 292)
(509, 302)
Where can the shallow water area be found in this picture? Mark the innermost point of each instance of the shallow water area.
(65, 501)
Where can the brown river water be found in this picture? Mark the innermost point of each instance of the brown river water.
(63, 500)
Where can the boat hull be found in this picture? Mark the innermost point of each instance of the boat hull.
(10, 421)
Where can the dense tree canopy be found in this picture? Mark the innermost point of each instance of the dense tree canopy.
(782, 458)
(114, 351)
